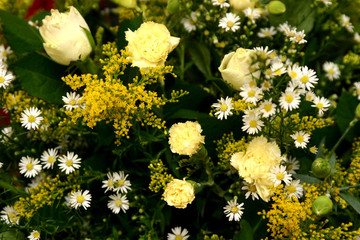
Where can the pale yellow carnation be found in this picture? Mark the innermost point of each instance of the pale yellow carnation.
(150, 45)
(185, 138)
(255, 164)
(179, 193)
(240, 5)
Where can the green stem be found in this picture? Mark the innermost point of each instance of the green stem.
(351, 124)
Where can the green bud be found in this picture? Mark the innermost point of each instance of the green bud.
(173, 6)
(322, 206)
(276, 7)
(357, 111)
(321, 168)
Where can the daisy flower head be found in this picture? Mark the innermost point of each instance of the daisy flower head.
(298, 37)
(252, 123)
(268, 73)
(120, 182)
(278, 175)
(223, 108)
(251, 190)
(267, 32)
(251, 94)
(48, 158)
(284, 28)
(252, 14)
(278, 68)
(301, 139)
(34, 235)
(230, 22)
(221, 3)
(357, 89)
(266, 85)
(109, 183)
(292, 165)
(332, 70)
(310, 96)
(9, 215)
(313, 150)
(6, 134)
(29, 166)
(326, 2)
(289, 100)
(233, 210)
(178, 234)
(307, 78)
(322, 104)
(189, 22)
(71, 100)
(69, 162)
(80, 199)
(267, 108)
(6, 78)
(117, 203)
(263, 53)
(4, 52)
(345, 22)
(294, 189)
(294, 71)
(30, 118)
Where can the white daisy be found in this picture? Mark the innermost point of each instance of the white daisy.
(284, 28)
(262, 52)
(80, 199)
(30, 118)
(267, 32)
(307, 78)
(34, 235)
(221, 3)
(109, 183)
(9, 215)
(230, 22)
(69, 162)
(266, 85)
(277, 68)
(332, 70)
(267, 108)
(29, 166)
(1, 164)
(278, 175)
(189, 22)
(48, 158)
(357, 89)
(71, 100)
(326, 2)
(298, 37)
(313, 149)
(233, 210)
(223, 108)
(289, 100)
(252, 123)
(6, 134)
(294, 72)
(251, 190)
(345, 22)
(117, 203)
(322, 104)
(178, 234)
(120, 182)
(310, 96)
(268, 73)
(251, 94)
(301, 139)
(4, 52)
(292, 165)
(6, 78)
(357, 37)
(294, 189)
(252, 14)
(34, 24)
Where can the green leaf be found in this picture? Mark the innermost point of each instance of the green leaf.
(201, 56)
(124, 26)
(332, 161)
(41, 77)
(20, 35)
(246, 232)
(90, 37)
(351, 200)
(306, 178)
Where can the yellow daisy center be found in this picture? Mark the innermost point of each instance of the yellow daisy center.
(267, 34)
(110, 183)
(253, 123)
(2, 80)
(51, 159)
(223, 107)
(120, 182)
(268, 72)
(31, 119)
(230, 24)
(178, 237)
(72, 102)
(29, 166)
(252, 83)
(69, 163)
(278, 72)
(234, 209)
(291, 189)
(221, 1)
(268, 107)
(300, 139)
(252, 188)
(313, 150)
(4, 54)
(280, 176)
(289, 98)
(331, 71)
(80, 199)
(263, 55)
(289, 167)
(320, 105)
(293, 74)
(36, 234)
(251, 93)
(304, 79)
(299, 38)
(118, 202)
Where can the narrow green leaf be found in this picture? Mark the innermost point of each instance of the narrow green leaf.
(306, 178)
(201, 56)
(20, 35)
(41, 77)
(131, 24)
(90, 37)
(332, 161)
(246, 231)
(353, 201)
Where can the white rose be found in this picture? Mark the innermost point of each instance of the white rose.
(235, 68)
(240, 5)
(64, 36)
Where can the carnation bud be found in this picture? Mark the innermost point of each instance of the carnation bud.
(173, 6)
(276, 7)
(357, 111)
(322, 206)
(321, 168)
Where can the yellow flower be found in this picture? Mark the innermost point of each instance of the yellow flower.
(179, 193)
(255, 164)
(236, 68)
(240, 5)
(64, 36)
(185, 138)
(150, 45)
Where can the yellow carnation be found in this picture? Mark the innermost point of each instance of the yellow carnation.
(240, 5)
(150, 45)
(255, 164)
(179, 193)
(185, 138)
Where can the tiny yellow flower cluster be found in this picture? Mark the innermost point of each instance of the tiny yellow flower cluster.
(154, 10)
(159, 176)
(309, 123)
(240, 106)
(353, 172)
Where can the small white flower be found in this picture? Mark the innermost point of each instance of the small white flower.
(292, 165)
(307, 78)
(34, 235)
(69, 162)
(1, 164)
(310, 96)
(34, 24)
(6, 134)
(71, 101)
(223, 108)
(29, 166)
(221, 3)
(289, 100)
(357, 89)
(230, 22)
(313, 149)
(277, 68)
(4, 52)
(267, 108)
(49, 157)
(251, 190)
(326, 2)
(322, 104)
(80, 199)
(109, 183)
(357, 37)
(294, 189)
(285, 28)
(332, 70)
(262, 52)
(301, 139)
(266, 85)
(251, 94)
(252, 123)
(9, 215)
(233, 210)
(30, 118)
(252, 14)
(117, 203)
(189, 22)
(345, 22)
(294, 72)
(120, 182)
(6, 78)
(298, 37)
(267, 32)
(178, 234)
(278, 175)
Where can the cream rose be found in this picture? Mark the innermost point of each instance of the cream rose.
(235, 68)
(240, 5)
(64, 36)
(255, 164)
(150, 45)
(179, 193)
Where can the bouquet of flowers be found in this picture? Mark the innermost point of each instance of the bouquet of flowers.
(178, 119)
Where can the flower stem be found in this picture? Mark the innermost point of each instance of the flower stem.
(351, 124)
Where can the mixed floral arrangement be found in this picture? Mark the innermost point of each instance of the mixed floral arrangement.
(177, 119)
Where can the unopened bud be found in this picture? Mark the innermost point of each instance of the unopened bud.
(321, 168)
(357, 111)
(173, 6)
(276, 7)
(322, 206)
